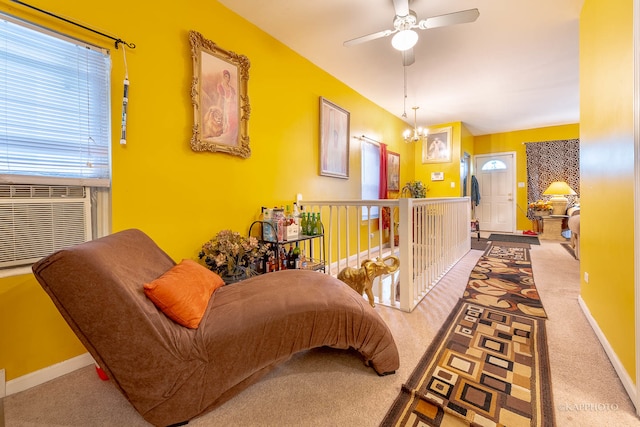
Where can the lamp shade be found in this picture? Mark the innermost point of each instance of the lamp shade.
(559, 188)
(404, 40)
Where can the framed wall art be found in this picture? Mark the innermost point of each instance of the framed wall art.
(393, 171)
(436, 147)
(334, 140)
(219, 96)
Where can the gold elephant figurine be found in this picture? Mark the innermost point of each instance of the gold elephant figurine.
(361, 279)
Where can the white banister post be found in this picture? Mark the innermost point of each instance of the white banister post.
(358, 234)
(406, 254)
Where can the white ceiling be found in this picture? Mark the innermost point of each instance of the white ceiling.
(515, 67)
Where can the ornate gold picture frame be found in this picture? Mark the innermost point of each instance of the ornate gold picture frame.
(393, 171)
(219, 97)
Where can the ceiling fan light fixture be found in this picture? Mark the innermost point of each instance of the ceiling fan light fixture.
(404, 40)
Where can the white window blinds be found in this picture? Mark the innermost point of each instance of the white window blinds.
(370, 176)
(54, 108)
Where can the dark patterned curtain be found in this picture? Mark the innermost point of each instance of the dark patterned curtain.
(552, 161)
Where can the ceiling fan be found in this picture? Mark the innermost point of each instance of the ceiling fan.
(406, 21)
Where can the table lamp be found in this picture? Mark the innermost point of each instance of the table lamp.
(558, 190)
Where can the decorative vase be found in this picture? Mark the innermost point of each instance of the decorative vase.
(236, 275)
(541, 213)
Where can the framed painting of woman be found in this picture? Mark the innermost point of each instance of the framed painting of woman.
(219, 96)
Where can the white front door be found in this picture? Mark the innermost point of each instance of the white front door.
(495, 174)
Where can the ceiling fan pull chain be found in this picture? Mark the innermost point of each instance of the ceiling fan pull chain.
(404, 107)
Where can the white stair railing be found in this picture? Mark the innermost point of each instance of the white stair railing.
(434, 234)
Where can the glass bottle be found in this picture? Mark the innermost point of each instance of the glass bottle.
(311, 225)
(303, 224)
(316, 221)
(296, 218)
(296, 257)
(290, 258)
(282, 258)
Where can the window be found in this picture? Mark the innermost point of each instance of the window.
(54, 107)
(493, 165)
(55, 134)
(370, 176)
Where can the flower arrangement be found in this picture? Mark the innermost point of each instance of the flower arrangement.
(541, 205)
(416, 189)
(231, 254)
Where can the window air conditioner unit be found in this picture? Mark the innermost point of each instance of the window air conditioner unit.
(36, 220)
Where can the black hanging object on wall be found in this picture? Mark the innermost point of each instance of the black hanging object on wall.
(118, 41)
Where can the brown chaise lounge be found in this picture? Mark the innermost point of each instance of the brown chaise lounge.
(171, 373)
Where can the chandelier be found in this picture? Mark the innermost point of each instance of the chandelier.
(417, 133)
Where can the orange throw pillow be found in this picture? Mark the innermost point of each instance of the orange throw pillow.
(183, 292)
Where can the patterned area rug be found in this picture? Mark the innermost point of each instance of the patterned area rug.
(514, 251)
(486, 367)
(518, 238)
(479, 244)
(512, 244)
(503, 279)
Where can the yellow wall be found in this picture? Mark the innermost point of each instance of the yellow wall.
(462, 141)
(513, 142)
(179, 197)
(607, 171)
(451, 169)
(467, 142)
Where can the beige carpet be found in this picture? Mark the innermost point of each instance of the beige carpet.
(333, 388)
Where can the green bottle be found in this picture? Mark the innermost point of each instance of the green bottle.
(311, 224)
(303, 223)
(316, 220)
(318, 229)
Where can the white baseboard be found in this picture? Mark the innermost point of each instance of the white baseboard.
(626, 380)
(49, 373)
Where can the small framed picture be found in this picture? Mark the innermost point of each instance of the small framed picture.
(334, 140)
(219, 96)
(393, 171)
(436, 147)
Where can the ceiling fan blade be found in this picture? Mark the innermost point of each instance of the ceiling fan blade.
(368, 37)
(454, 18)
(407, 57)
(401, 7)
